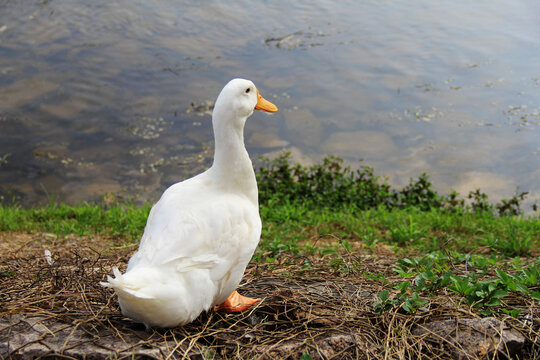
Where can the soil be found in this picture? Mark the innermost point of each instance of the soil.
(54, 306)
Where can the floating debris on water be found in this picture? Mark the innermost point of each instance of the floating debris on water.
(420, 115)
(427, 87)
(518, 115)
(298, 39)
(3, 159)
(148, 127)
(204, 109)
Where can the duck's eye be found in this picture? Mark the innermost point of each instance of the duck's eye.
(248, 90)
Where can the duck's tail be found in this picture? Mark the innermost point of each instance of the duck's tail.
(136, 301)
(145, 297)
(124, 287)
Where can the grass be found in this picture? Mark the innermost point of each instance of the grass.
(408, 228)
(323, 210)
(486, 256)
(295, 228)
(125, 221)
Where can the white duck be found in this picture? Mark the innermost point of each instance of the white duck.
(201, 234)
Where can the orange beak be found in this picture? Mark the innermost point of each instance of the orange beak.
(264, 105)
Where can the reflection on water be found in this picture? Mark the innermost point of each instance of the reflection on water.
(102, 96)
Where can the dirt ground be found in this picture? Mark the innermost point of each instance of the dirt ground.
(54, 306)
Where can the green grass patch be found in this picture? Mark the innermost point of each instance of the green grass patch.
(408, 228)
(471, 248)
(298, 202)
(118, 220)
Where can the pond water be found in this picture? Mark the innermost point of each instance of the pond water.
(115, 96)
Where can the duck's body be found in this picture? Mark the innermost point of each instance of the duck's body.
(201, 234)
(197, 243)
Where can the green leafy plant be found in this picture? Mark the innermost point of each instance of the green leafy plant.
(384, 304)
(418, 194)
(512, 282)
(408, 299)
(453, 203)
(531, 276)
(327, 184)
(511, 206)
(461, 285)
(478, 293)
(413, 302)
(512, 312)
(428, 280)
(487, 293)
(479, 201)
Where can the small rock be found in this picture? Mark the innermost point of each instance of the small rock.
(476, 338)
(33, 337)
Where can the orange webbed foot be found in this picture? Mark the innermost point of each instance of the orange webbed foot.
(236, 303)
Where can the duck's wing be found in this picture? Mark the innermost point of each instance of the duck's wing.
(193, 228)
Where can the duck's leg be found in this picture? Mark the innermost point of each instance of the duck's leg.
(236, 303)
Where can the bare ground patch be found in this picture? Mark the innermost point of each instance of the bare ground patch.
(56, 307)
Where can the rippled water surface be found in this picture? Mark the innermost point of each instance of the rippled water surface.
(100, 96)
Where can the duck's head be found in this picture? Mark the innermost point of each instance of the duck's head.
(239, 98)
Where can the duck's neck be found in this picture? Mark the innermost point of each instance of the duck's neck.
(232, 165)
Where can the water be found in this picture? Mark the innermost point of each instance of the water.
(101, 96)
